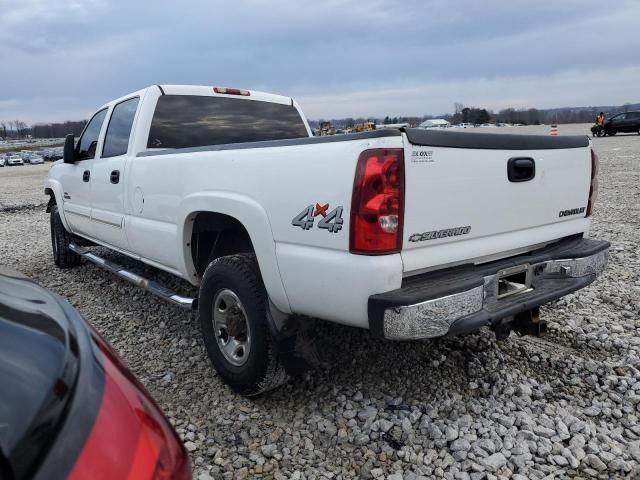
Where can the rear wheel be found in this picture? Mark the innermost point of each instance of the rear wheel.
(60, 240)
(233, 309)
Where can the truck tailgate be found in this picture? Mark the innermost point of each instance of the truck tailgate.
(490, 195)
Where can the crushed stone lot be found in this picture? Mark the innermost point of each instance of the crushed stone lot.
(562, 406)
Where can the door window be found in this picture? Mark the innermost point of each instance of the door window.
(116, 140)
(619, 118)
(89, 140)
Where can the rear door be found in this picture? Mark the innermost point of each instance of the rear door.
(633, 121)
(76, 178)
(625, 123)
(108, 185)
(480, 197)
(618, 123)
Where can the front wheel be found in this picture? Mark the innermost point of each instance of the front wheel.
(611, 133)
(60, 240)
(233, 309)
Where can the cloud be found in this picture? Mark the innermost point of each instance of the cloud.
(566, 89)
(73, 55)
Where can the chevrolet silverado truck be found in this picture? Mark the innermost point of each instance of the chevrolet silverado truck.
(410, 233)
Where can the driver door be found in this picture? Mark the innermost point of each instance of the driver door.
(76, 177)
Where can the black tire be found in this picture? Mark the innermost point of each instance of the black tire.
(612, 133)
(60, 240)
(262, 370)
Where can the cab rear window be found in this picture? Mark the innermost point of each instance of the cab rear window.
(183, 121)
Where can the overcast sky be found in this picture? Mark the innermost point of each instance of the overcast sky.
(61, 59)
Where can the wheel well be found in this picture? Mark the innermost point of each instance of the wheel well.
(52, 198)
(215, 235)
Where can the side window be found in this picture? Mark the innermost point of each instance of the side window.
(89, 140)
(619, 118)
(116, 140)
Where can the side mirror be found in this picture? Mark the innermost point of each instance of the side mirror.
(69, 154)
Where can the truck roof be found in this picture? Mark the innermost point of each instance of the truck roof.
(203, 90)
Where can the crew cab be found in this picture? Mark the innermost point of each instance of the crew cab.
(409, 233)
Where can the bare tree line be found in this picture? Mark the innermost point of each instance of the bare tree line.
(16, 129)
(525, 116)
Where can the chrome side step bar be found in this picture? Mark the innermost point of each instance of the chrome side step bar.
(148, 285)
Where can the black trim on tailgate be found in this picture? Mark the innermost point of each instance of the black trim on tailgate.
(492, 141)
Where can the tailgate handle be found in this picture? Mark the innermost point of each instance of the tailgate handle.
(521, 169)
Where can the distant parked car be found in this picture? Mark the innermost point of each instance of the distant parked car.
(69, 407)
(52, 155)
(14, 160)
(628, 122)
(34, 159)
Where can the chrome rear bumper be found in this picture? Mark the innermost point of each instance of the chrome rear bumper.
(478, 296)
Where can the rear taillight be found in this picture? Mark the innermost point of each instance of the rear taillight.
(377, 205)
(593, 190)
(130, 438)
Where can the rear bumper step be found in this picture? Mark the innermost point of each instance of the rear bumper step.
(148, 285)
(463, 299)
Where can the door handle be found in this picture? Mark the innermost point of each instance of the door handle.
(115, 176)
(86, 175)
(521, 169)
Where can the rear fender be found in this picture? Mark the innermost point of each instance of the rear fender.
(254, 219)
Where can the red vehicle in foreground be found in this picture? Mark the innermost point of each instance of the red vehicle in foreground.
(69, 407)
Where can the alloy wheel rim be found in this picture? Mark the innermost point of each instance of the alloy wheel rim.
(231, 327)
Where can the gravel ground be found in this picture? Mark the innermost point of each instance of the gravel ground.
(565, 406)
(23, 186)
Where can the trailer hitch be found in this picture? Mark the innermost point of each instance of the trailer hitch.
(529, 323)
(524, 323)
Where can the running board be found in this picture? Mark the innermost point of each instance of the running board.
(148, 285)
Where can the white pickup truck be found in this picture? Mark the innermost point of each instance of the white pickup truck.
(409, 233)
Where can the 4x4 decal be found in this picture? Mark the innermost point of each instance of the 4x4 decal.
(331, 221)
